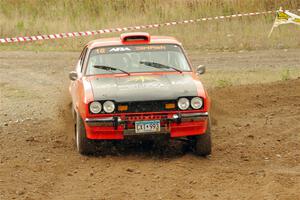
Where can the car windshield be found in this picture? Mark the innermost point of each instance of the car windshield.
(137, 58)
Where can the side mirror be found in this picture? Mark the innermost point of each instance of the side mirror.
(73, 75)
(201, 69)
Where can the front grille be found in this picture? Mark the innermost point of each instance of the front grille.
(146, 106)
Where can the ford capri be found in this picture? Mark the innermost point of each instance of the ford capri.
(138, 85)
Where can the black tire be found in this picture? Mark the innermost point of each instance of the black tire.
(203, 142)
(84, 145)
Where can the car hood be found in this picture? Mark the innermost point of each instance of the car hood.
(143, 88)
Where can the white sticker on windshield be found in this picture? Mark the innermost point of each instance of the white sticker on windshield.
(118, 49)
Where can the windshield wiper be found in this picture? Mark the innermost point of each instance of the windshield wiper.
(109, 68)
(159, 66)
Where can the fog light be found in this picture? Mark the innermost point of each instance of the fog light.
(183, 103)
(197, 103)
(109, 106)
(175, 116)
(95, 107)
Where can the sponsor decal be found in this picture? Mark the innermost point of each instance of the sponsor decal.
(118, 49)
(140, 82)
(150, 47)
(142, 79)
(101, 50)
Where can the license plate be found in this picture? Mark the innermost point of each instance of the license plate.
(147, 126)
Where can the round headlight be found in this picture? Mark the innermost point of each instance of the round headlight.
(95, 107)
(183, 103)
(196, 103)
(109, 106)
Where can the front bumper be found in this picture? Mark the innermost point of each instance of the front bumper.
(176, 125)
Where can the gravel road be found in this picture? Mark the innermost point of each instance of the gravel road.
(256, 138)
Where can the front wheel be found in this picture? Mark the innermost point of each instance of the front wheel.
(84, 145)
(203, 142)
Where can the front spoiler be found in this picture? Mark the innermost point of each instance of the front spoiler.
(177, 125)
(118, 120)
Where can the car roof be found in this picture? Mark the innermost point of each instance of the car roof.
(117, 41)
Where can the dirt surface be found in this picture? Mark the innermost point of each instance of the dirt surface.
(256, 138)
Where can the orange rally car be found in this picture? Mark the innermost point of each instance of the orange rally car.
(138, 85)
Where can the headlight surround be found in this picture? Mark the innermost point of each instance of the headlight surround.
(197, 103)
(95, 107)
(183, 103)
(109, 106)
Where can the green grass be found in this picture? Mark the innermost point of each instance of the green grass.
(285, 74)
(224, 77)
(224, 83)
(34, 17)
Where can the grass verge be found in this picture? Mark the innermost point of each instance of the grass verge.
(33, 17)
